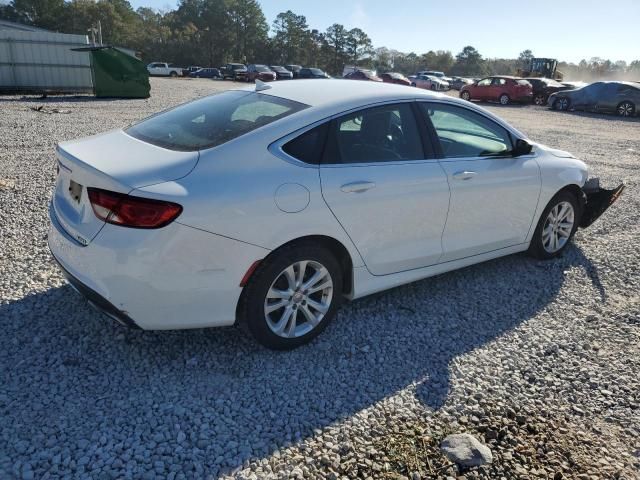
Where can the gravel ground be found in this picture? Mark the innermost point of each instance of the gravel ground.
(539, 360)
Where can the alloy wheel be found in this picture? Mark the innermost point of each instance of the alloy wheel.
(558, 227)
(539, 100)
(298, 299)
(504, 99)
(563, 104)
(625, 109)
(465, 96)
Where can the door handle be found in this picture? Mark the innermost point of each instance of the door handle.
(357, 187)
(464, 175)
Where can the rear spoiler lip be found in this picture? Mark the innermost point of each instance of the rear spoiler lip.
(597, 201)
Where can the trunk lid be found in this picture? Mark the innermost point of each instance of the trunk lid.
(112, 161)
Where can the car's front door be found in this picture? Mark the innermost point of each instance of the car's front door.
(386, 190)
(481, 89)
(493, 194)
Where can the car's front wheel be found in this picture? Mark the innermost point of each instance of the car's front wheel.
(556, 227)
(539, 99)
(504, 99)
(292, 296)
(561, 103)
(465, 96)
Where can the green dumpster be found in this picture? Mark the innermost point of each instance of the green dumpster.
(116, 73)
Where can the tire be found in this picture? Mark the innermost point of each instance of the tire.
(561, 103)
(413, 84)
(466, 96)
(504, 99)
(539, 99)
(173, 74)
(433, 87)
(281, 329)
(626, 109)
(542, 244)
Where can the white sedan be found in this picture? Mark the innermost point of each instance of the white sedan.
(269, 206)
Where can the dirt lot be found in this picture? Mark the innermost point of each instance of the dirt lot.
(540, 360)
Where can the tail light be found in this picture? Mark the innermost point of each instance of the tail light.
(135, 212)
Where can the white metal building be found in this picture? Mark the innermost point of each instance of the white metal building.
(39, 61)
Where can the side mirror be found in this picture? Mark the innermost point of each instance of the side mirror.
(522, 148)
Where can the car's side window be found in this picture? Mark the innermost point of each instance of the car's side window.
(309, 146)
(484, 83)
(499, 81)
(380, 134)
(464, 133)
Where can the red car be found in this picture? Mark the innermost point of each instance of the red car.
(501, 89)
(363, 75)
(393, 77)
(260, 72)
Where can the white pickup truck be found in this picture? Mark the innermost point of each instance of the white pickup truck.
(164, 70)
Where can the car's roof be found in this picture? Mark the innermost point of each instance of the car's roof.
(343, 92)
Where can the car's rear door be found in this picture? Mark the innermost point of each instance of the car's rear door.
(493, 194)
(386, 190)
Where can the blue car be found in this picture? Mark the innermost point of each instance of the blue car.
(206, 73)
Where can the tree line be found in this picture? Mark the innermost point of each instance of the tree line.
(214, 32)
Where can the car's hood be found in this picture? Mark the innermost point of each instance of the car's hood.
(128, 160)
(553, 151)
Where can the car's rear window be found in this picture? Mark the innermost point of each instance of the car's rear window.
(212, 120)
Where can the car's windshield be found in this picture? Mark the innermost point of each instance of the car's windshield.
(316, 71)
(262, 68)
(238, 67)
(212, 120)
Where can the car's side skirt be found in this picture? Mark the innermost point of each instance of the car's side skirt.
(364, 283)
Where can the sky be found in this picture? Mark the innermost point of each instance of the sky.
(568, 30)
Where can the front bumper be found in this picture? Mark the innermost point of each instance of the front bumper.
(597, 200)
(174, 277)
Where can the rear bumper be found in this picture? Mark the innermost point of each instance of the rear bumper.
(171, 278)
(96, 300)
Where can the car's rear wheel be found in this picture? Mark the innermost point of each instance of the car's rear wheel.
(626, 109)
(465, 96)
(413, 84)
(539, 99)
(173, 74)
(292, 296)
(556, 227)
(504, 99)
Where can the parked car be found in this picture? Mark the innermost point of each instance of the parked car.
(294, 69)
(621, 98)
(503, 89)
(206, 73)
(189, 70)
(260, 72)
(543, 87)
(458, 82)
(437, 74)
(366, 75)
(281, 72)
(312, 73)
(234, 71)
(574, 84)
(429, 83)
(394, 77)
(160, 69)
(241, 217)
